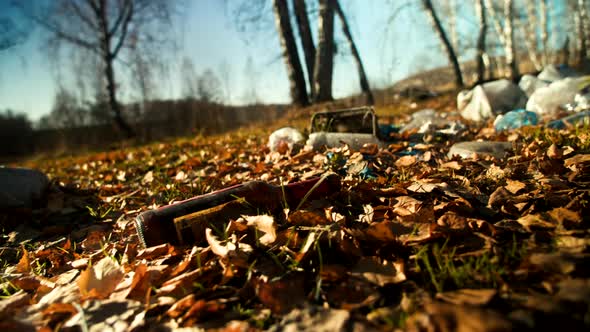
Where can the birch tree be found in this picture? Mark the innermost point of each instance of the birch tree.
(481, 40)
(106, 28)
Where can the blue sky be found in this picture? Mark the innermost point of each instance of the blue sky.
(209, 37)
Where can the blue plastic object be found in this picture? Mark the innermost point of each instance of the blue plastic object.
(515, 119)
(577, 119)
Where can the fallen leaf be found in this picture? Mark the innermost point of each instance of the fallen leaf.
(24, 264)
(100, 280)
(266, 224)
(281, 295)
(378, 271)
(474, 297)
(514, 186)
(405, 161)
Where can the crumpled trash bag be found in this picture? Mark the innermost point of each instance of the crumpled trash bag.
(467, 150)
(488, 99)
(285, 139)
(529, 84)
(22, 188)
(430, 121)
(515, 119)
(574, 120)
(548, 100)
(552, 73)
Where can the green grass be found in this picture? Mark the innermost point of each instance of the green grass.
(443, 270)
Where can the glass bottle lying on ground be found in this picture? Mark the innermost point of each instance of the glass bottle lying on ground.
(184, 222)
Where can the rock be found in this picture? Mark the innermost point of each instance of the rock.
(467, 150)
(22, 188)
(486, 100)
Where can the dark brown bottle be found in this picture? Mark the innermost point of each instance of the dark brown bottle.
(159, 226)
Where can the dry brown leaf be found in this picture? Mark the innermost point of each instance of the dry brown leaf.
(281, 295)
(514, 186)
(378, 271)
(308, 218)
(566, 217)
(14, 302)
(381, 231)
(153, 252)
(554, 152)
(474, 297)
(24, 264)
(181, 306)
(405, 161)
(442, 317)
(577, 159)
(101, 279)
(532, 222)
(266, 224)
(453, 222)
(452, 165)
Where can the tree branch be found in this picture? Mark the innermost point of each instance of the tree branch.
(123, 36)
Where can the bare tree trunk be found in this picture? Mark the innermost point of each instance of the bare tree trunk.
(529, 27)
(290, 55)
(453, 24)
(452, 57)
(481, 40)
(306, 41)
(324, 61)
(512, 70)
(584, 29)
(544, 33)
(108, 57)
(355, 54)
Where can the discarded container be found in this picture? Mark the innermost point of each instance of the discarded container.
(284, 139)
(553, 73)
(515, 119)
(22, 188)
(574, 120)
(467, 150)
(174, 223)
(431, 121)
(549, 99)
(529, 84)
(354, 127)
(486, 100)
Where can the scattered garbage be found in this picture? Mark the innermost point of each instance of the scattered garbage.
(285, 139)
(486, 100)
(184, 222)
(515, 119)
(354, 127)
(429, 121)
(22, 188)
(529, 84)
(548, 100)
(574, 120)
(552, 73)
(470, 149)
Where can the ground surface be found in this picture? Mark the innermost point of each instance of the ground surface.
(412, 239)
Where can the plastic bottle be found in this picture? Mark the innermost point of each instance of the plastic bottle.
(166, 224)
(515, 119)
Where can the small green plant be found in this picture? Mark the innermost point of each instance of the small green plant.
(100, 212)
(447, 271)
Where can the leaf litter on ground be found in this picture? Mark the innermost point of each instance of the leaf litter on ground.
(413, 240)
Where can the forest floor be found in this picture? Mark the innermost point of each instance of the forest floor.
(412, 240)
